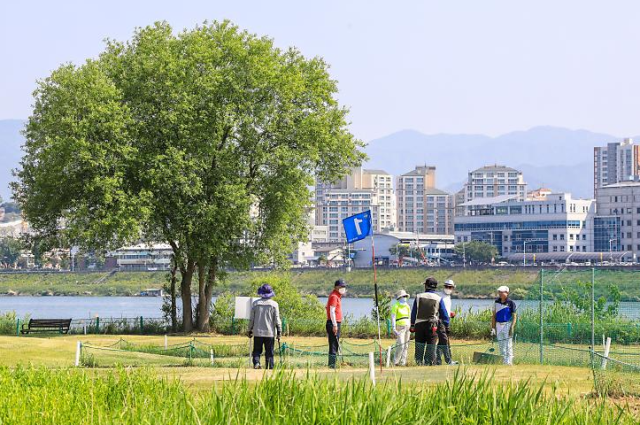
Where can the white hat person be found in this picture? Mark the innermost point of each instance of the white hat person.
(450, 283)
(503, 288)
(402, 294)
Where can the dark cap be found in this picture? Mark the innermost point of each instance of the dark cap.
(340, 284)
(266, 291)
(431, 283)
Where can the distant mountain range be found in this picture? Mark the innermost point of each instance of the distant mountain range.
(554, 157)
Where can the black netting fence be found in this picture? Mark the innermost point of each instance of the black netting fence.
(354, 354)
(586, 318)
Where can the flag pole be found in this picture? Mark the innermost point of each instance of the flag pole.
(375, 286)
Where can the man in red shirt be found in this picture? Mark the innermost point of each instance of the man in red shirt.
(334, 318)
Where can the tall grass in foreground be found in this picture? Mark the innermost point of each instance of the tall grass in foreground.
(41, 396)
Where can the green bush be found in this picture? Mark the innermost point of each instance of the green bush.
(296, 309)
(8, 322)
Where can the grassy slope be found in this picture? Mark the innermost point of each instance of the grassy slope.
(471, 283)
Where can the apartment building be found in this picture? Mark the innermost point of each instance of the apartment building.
(421, 207)
(495, 180)
(556, 223)
(361, 190)
(618, 212)
(616, 162)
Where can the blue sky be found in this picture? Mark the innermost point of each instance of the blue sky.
(435, 66)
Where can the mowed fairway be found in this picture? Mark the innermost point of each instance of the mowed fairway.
(59, 352)
(39, 371)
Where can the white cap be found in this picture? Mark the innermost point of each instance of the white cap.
(503, 288)
(449, 282)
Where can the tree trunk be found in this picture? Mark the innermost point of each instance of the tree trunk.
(203, 310)
(174, 313)
(206, 294)
(185, 293)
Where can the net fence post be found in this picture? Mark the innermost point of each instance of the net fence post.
(607, 347)
(372, 368)
(540, 309)
(78, 352)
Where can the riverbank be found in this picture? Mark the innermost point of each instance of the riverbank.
(471, 284)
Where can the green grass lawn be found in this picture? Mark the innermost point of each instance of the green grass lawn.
(448, 395)
(59, 351)
(566, 384)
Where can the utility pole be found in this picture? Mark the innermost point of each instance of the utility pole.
(611, 250)
(464, 255)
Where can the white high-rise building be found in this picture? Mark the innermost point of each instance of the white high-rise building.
(421, 206)
(614, 163)
(359, 191)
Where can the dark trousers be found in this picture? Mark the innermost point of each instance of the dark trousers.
(426, 342)
(444, 349)
(334, 343)
(258, 343)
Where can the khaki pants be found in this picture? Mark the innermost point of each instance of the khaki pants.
(402, 345)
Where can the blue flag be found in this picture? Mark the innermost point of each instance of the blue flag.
(357, 226)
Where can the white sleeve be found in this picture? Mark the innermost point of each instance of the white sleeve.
(332, 314)
(393, 322)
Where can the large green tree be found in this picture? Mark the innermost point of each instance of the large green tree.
(208, 140)
(10, 250)
(479, 251)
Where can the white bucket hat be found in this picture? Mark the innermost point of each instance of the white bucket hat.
(402, 293)
(449, 282)
(503, 288)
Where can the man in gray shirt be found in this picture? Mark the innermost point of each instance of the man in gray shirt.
(264, 326)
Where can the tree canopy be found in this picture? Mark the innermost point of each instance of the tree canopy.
(208, 140)
(479, 251)
(10, 250)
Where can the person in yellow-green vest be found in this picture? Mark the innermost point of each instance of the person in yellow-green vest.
(400, 320)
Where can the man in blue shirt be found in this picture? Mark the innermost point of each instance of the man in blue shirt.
(429, 316)
(503, 323)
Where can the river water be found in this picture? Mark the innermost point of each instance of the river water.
(150, 307)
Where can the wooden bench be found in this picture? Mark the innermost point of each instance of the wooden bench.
(46, 325)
